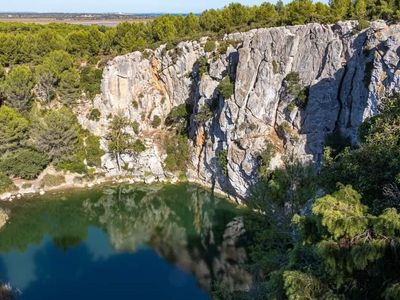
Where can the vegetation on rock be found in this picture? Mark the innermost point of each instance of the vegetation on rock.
(94, 115)
(226, 87)
(156, 122)
(177, 148)
(222, 160)
(343, 245)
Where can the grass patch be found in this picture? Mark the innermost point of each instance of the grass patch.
(52, 180)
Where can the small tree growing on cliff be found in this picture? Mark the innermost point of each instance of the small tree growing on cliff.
(119, 141)
(226, 87)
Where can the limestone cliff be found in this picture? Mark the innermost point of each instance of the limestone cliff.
(293, 86)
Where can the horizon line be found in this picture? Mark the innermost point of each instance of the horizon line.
(101, 13)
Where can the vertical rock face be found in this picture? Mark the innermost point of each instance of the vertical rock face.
(292, 86)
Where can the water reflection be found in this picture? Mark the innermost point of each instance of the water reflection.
(200, 233)
(64, 242)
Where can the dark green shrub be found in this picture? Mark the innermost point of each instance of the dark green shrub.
(177, 148)
(292, 78)
(69, 87)
(138, 147)
(291, 107)
(6, 184)
(226, 87)
(135, 127)
(16, 89)
(56, 134)
(94, 115)
(265, 158)
(91, 80)
(223, 47)
(275, 67)
(284, 128)
(362, 24)
(297, 91)
(222, 160)
(135, 104)
(203, 66)
(177, 113)
(119, 142)
(73, 164)
(209, 46)
(204, 114)
(24, 163)
(13, 129)
(178, 118)
(156, 122)
(369, 68)
(337, 142)
(93, 151)
(302, 98)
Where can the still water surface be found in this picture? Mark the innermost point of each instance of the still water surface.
(125, 242)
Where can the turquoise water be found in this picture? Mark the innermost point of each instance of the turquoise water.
(125, 242)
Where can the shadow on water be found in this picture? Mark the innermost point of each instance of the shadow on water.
(124, 242)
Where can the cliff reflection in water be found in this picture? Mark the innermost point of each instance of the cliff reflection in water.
(190, 228)
(138, 235)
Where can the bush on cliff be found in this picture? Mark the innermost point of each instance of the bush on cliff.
(177, 148)
(226, 87)
(222, 160)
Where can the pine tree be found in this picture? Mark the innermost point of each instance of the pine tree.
(13, 129)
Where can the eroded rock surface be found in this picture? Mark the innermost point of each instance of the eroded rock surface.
(342, 72)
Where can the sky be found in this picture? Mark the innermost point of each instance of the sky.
(125, 6)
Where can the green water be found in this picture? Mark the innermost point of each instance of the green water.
(125, 242)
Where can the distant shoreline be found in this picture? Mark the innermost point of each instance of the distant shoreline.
(109, 20)
(101, 22)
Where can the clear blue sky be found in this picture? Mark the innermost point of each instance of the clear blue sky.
(126, 6)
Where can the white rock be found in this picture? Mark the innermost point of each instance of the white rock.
(329, 59)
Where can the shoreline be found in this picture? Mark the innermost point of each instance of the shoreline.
(65, 187)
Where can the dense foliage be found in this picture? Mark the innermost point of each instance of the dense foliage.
(336, 235)
(6, 183)
(56, 65)
(32, 141)
(64, 62)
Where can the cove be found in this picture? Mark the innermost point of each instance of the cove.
(123, 242)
